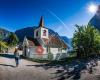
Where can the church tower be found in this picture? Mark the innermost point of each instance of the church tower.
(41, 31)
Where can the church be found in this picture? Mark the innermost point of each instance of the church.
(44, 45)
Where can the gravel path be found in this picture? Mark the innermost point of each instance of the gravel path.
(28, 70)
(25, 71)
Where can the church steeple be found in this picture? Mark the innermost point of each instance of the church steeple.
(41, 24)
(41, 31)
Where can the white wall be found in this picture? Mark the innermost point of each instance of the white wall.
(31, 53)
(26, 52)
(58, 54)
(54, 51)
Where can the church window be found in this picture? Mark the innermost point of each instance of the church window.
(37, 34)
(44, 32)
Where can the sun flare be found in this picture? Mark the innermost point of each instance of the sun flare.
(92, 8)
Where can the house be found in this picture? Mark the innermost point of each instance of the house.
(44, 44)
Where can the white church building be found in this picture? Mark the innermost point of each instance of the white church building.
(44, 45)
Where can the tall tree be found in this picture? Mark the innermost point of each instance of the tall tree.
(12, 40)
(3, 45)
(86, 40)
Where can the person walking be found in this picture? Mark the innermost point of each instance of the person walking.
(17, 56)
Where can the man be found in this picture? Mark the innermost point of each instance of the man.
(16, 54)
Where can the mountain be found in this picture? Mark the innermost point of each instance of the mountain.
(21, 33)
(4, 33)
(95, 21)
(29, 32)
(68, 42)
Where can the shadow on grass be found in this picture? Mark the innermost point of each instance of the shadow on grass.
(67, 69)
(10, 56)
(7, 65)
(7, 55)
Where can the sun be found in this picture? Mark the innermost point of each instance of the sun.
(92, 8)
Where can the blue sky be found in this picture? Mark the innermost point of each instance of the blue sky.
(59, 15)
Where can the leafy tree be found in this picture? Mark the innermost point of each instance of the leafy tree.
(3, 45)
(12, 39)
(86, 40)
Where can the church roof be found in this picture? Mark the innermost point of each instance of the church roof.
(33, 42)
(54, 42)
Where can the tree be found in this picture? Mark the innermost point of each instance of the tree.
(3, 45)
(86, 40)
(12, 39)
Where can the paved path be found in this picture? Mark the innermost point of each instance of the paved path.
(25, 71)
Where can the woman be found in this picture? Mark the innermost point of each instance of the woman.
(16, 53)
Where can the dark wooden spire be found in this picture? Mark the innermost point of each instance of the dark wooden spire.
(41, 24)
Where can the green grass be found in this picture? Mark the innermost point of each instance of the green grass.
(54, 62)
